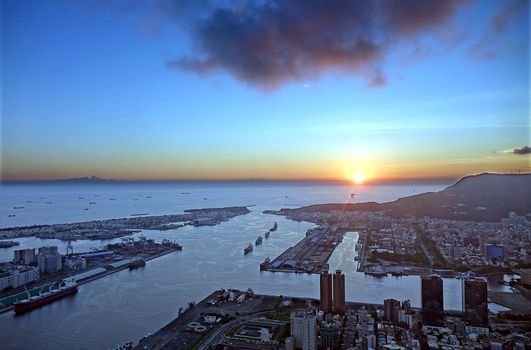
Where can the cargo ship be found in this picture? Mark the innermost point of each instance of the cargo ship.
(33, 302)
(7, 244)
(136, 264)
(258, 240)
(248, 249)
(172, 244)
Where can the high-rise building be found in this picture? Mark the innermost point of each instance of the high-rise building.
(475, 304)
(391, 309)
(432, 301)
(303, 332)
(330, 335)
(482, 244)
(326, 292)
(406, 306)
(339, 293)
(495, 251)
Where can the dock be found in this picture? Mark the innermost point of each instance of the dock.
(310, 255)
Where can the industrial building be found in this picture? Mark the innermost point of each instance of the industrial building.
(24, 256)
(49, 260)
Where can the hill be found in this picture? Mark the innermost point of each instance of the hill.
(483, 197)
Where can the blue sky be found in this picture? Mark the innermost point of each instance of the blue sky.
(87, 90)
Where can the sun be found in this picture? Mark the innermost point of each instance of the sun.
(358, 178)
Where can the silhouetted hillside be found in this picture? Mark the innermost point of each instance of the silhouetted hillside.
(484, 197)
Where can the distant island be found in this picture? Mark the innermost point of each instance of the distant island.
(74, 180)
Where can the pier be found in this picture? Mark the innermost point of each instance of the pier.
(310, 255)
(116, 228)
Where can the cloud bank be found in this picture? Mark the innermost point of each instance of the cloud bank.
(269, 43)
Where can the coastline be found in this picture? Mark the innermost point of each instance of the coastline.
(98, 276)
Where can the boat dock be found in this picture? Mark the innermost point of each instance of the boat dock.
(310, 255)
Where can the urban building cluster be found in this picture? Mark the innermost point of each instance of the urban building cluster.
(465, 244)
(415, 245)
(397, 325)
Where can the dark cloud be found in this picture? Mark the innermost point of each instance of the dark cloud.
(522, 151)
(269, 43)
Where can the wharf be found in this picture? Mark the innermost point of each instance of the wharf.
(310, 255)
(91, 275)
(116, 228)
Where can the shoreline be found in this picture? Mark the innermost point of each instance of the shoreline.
(99, 275)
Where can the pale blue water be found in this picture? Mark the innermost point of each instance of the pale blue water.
(129, 304)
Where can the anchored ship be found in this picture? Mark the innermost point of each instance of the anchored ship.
(33, 302)
(172, 244)
(137, 264)
(248, 249)
(7, 244)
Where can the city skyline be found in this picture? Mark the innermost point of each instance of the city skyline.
(225, 91)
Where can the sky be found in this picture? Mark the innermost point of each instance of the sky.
(309, 89)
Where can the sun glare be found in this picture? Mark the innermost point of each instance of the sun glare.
(358, 178)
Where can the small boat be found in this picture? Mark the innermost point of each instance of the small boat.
(376, 271)
(266, 264)
(248, 249)
(185, 192)
(258, 240)
(92, 202)
(85, 208)
(11, 215)
(267, 234)
(274, 228)
(80, 197)
(18, 207)
(125, 346)
(352, 195)
(205, 198)
(47, 202)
